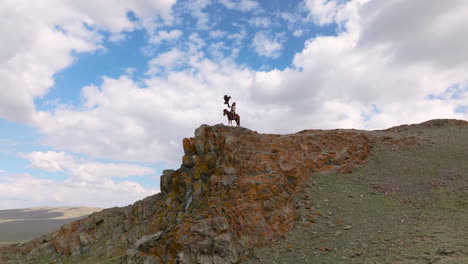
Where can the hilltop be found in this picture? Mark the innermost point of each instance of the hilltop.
(318, 196)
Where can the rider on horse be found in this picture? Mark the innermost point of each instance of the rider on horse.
(231, 115)
(233, 109)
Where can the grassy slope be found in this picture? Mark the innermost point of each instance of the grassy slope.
(407, 205)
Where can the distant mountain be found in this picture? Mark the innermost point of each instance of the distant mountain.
(317, 196)
(20, 225)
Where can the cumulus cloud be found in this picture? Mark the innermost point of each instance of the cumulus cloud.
(267, 45)
(238, 37)
(165, 62)
(335, 81)
(80, 169)
(324, 12)
(357, 69)
(166, 36)
(123, 121)
(19, 191)
(260, 22)
(434, 36)
(196, 9)
(88, 183)
(242, 5)
(217, 33)
(298, 32)
(40, 43)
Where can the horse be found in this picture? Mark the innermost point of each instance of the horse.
(230, 117)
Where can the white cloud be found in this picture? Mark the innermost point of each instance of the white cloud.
(166, 62)
(238, 37)
(266, 45)
(324, 12)
(298, 33)
(196, 8)
(88, 183)
(241, 5)
(217, 51)
(42, 35)
(336, 81)
(82, 170)
(394, 68)
(217, 33)
(20, 191)
(260, 22)
(166, 36)
(291, 18)
(50, 161)
(121, 120)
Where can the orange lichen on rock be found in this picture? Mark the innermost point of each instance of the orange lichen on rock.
(234, 191)
(248, 180)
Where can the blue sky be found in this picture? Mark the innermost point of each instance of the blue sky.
(98, 95)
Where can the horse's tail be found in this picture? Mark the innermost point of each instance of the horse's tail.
(238, 120)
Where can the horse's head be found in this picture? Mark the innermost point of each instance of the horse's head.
(225, 112)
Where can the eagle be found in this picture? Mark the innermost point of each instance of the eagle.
(226, 99)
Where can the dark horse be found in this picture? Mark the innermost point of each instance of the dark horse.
(230, 117)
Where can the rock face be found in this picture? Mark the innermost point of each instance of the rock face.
(233, 192)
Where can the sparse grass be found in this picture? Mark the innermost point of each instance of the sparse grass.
(408, 205)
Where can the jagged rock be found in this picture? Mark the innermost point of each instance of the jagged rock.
(232, 193)
(224, 248)
(229, 140)
(203, 227)
(165, 182)
(146, 242)
(84, 240)
(228, 180)
(189, 148)
(220, 224)
(199, 132)
(229, 170)
(199, 147)
(204, 259)
(187, 160)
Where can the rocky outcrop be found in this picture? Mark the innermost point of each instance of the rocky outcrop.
(233, 192)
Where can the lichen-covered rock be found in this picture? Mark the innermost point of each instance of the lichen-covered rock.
(233, 192)
(187, 161)
(165, 182)
(189, 148)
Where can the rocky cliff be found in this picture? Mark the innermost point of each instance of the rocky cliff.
(234, 192)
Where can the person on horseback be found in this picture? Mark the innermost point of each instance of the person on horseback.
(233, 109)
(231, 115)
